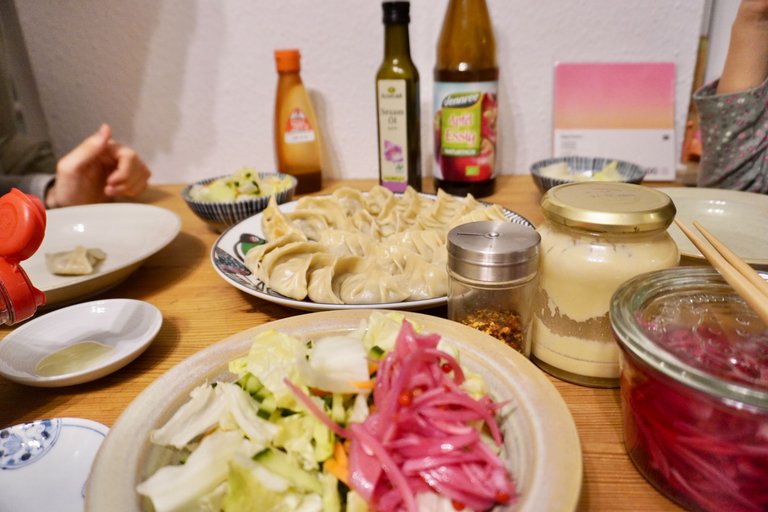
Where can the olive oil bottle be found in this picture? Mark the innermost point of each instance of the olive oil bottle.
(465, 101)
(397, 104)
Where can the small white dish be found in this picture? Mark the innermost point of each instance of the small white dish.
(123, 328)
(128, 233)
(44, 464)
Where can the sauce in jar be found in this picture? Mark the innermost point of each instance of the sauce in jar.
(595, 237)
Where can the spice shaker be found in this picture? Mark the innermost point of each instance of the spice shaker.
(492, 268)
(595, 236)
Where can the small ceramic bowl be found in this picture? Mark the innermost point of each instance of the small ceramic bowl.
(582, 168)
(220, 215)
(79, 343)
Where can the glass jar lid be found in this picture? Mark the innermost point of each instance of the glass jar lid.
(608, 207)
(688, 324)
(493, 251)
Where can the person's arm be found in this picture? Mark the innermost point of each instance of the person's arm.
(746, 64)
(732, 110)
(97, 170)
(25, 163)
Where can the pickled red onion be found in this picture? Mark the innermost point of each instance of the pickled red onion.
(422, 435)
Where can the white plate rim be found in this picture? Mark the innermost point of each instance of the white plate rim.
(230, 267)
(555, 478)
(167, 219)
(64, 422)
(757, 204)
(113, 363)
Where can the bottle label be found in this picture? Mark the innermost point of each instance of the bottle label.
(298, 129)
(393, 134)
(465, 130)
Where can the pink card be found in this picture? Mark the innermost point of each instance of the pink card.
(617, 110)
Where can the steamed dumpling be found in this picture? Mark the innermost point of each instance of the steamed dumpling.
(346, 243)
(335, 215)
(77, 262)
(310, 222)
(362, 282)
(275, 224)
(362, 248)
(285, 269)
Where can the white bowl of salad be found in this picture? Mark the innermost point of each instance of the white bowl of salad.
(226, 200)
(345, 411)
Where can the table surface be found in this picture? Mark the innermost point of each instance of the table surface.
(199, 308)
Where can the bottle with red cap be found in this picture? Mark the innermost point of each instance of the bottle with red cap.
(297, 134)
(22, 227)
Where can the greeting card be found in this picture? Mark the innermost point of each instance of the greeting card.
(617, 110)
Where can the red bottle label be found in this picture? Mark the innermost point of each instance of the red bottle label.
(298, 129)
(465, 131)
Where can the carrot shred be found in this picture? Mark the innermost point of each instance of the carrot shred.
(363, 384)
(338, 465)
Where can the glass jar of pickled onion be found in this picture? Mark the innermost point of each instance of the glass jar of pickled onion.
(694, 388)
(595, 236)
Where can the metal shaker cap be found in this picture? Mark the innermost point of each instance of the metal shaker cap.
(493, 251)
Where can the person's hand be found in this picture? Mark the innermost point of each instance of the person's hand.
(98, 170)
(746, 65)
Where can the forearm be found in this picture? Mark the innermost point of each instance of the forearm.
(746, 64)
(35, 184)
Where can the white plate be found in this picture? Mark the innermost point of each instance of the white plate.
(738, 219)
(126, 325)
(227, 257)
(128, 233)
(44, 464)
(540, 434)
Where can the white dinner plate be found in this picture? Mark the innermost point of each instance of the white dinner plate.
(541, 441)
(125, 326)
(227, 257)
(738, 219)
(44, 464)
(128, 233)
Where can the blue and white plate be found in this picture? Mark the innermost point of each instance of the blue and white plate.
(45, 464)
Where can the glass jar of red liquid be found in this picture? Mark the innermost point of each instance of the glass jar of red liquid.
(694, 388)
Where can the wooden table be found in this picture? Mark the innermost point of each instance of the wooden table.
(200, 308)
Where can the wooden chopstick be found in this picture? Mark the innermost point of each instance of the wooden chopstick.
(734, 260)
(753, 294)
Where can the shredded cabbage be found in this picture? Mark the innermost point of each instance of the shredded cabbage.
(419, 432)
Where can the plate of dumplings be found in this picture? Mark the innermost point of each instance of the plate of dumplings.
(350, 249)
(91, 248)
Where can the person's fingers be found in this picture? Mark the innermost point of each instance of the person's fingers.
(130, 176)
(91, 148)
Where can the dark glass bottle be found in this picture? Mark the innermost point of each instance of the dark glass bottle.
(465, 101)
(397, 104)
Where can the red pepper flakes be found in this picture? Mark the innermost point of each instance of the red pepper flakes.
(502, 324)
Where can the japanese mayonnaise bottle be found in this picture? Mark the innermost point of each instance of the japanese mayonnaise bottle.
(297, 135)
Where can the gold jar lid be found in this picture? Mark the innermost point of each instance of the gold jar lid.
(608, 207)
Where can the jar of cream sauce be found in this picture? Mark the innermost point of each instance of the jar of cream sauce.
(595, 237)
